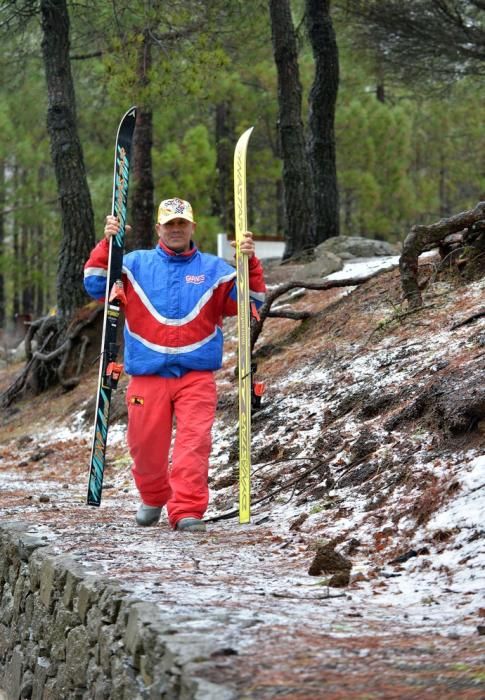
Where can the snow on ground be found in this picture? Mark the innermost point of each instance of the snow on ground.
(257, 575)
(446, 582)
(360, 267)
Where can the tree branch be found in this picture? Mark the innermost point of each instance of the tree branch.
(468, 319)
(292, 315)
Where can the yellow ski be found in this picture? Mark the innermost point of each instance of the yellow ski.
(243, 324)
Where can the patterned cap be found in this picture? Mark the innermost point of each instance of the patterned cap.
(174, 209)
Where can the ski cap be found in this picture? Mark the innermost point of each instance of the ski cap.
(174, 209)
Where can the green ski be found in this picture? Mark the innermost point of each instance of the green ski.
(109, 368)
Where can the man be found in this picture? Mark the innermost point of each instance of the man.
(176, 298)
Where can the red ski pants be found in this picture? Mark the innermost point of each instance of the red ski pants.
(153, 403)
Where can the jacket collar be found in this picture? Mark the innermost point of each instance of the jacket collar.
(177, 256)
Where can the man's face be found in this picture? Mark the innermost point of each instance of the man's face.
(176, 234)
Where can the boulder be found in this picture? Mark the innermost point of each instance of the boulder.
(348, 247)
(324, 264)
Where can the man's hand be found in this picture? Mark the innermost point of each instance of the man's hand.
(112, 226)
(247, 245)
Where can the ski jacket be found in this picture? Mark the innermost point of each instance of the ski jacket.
(175, 306)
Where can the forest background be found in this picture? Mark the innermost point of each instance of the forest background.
(408, 127)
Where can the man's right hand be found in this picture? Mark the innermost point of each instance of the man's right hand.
(112, 226)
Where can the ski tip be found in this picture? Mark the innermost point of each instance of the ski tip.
(127, 124)
(244, 138)
(130, 112)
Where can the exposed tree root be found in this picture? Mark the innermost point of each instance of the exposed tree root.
(50, 362)
(18, 385)
(423, 238)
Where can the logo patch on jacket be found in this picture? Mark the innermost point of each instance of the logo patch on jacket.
(194, 279)
(137, 400)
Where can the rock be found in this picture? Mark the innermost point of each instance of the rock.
(18, 354)
(352, 546)
(77, 656)
(404, 557)
(41, 454)
(313, 266)
(12, 680)
(328, 561)
(325, 263)
(348, 247)
(340, 580)
(23, 441)
(295, 525)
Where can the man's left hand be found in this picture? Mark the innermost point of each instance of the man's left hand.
(247, 245)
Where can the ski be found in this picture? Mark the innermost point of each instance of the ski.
(109, 368)
(243, 324)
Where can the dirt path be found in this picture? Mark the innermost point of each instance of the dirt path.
(397, 631)
(277, 632)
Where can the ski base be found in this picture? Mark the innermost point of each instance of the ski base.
(109, 368)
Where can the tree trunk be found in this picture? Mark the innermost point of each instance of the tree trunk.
(2, 244)
(77, 218)
(443, 189)
(348, 202)
(142, 204)
(25, 251)
(15, 245)
(380, 77)
(225, 140)
(321, 119)
(280, 210)
(297, 180)
(38, 253)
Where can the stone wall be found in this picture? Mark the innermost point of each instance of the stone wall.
(66, 632)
